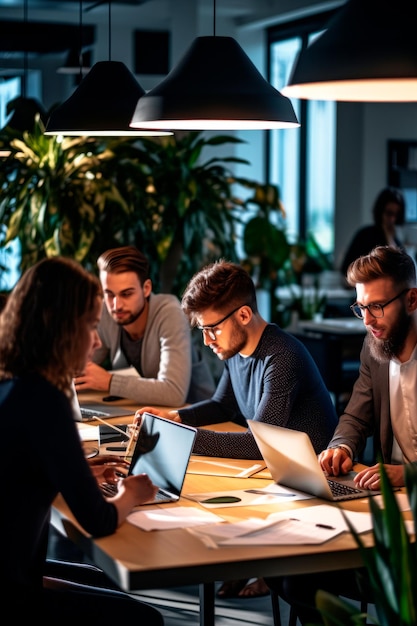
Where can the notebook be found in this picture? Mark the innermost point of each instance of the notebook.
(292, 461)
(162, 451)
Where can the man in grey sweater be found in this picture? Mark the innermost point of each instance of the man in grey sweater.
(147, 353)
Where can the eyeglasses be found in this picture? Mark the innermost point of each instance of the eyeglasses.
(376, 310)
(212, 329)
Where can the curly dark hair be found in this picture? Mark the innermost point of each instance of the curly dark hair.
(43, 316)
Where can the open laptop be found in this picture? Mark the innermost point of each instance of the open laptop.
(85, 411)
(162, 451)
(292, 461)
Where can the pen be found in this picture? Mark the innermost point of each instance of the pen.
(119, 430)
(318, 525)
(325, 526)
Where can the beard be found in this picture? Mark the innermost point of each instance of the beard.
(239, 338)
(384, 350)
(130, 319)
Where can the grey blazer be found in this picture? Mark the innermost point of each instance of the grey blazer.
(367, 414)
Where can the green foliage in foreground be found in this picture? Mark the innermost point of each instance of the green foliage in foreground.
(391, 564)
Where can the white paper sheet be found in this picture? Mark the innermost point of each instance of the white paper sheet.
(172, 517)
(310, 525)
(248, 497)
(87, 432)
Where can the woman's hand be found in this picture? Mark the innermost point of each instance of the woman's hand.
(139, 489)
(108, 468)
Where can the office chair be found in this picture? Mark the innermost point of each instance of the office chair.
(338, 364)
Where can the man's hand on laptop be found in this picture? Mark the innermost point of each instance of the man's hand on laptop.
(93, 377)
(168, 414)
(335, 461)
(369, 478)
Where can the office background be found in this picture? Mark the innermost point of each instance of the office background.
(121, 29)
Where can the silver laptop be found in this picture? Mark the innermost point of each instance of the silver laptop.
(85, 411)
(102, 410)
(162, 451)
(292, 461)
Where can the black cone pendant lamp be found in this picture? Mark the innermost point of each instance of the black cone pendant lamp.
(368, 53)
(214, 86)
(102, 104)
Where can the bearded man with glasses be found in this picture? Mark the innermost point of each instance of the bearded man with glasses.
(382, 404)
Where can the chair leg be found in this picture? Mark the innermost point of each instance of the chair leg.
(364, 606)
(275, 608)
(293, 617)
(276, 614)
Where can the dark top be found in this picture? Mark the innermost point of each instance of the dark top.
(279, 384)
(42, 456)
(363, 242)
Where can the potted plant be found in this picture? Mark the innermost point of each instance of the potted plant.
(60, 197)
(80, 196)
(188, 216)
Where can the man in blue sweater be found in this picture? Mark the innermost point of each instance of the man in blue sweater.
(268, 374)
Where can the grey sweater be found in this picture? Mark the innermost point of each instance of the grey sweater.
(173, 373)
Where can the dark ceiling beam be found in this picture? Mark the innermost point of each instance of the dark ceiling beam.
(43, 37)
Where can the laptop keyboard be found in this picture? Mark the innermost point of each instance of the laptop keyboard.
(339, 489)
(109, 490)
(88, 414)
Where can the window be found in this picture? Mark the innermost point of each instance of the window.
(10, 255)
(302, 162)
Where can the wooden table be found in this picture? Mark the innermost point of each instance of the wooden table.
(136, 559)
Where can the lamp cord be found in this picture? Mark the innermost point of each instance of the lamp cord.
(25, 52)
(80, 51)
(109, 30)
(214, 18)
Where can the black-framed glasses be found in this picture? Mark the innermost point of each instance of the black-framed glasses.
(212, 329)
(376, 310)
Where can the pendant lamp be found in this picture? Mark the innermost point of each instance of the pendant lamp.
(102, 104)
(368, 53)
(24, 110)
(214, 86)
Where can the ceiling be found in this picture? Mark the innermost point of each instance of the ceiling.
(25, 25)
(49, 26)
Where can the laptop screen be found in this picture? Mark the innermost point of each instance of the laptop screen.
(162, 451)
